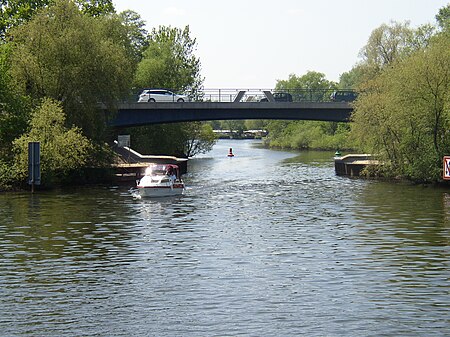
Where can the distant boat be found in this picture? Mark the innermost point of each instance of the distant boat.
(161, 181)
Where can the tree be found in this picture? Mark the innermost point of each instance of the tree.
(312, 86)
(390, 43)
(13, 13)
(443, 18)
(181, 139)
(403, 115)
(75, 59)
(63, 150)
(13, 107)
(169, 61)
(386, 44)
(200, 138)
(236, 127)
(137, 34)
(16, 12)
(96, 7)
(307, 134)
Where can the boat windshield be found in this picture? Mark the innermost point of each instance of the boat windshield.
(160, 170)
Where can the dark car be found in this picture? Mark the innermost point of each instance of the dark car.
(279, 97)
(344, 96)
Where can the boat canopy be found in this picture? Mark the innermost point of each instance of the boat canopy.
(162, 169)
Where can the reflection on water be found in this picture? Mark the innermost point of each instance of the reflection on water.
(264, 243)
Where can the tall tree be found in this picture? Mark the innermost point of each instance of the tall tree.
(62, 150)
(443, 18)
(136, 32)
(312, 86)
(96, 7)
(403, 115)
(386, 44)
(14, 107)
(75, 59)
(170, 62)
(16, 12)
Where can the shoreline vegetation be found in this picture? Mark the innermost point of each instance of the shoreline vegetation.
(88, 53)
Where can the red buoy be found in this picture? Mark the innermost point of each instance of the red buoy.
(230, 153)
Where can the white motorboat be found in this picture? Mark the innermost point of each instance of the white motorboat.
(161, 181)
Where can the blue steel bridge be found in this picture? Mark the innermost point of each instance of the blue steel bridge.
(234, 104)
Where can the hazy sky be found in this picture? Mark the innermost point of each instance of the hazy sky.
(254, 43)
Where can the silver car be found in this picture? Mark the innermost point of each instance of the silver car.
(161, 95)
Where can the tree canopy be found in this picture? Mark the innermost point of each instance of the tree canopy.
(75, 59)
(62, 150)
(307, 134)
(14, 107)
(16, 12)
(403, 115)
(170, 62)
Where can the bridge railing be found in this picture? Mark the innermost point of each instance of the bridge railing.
(256, 95)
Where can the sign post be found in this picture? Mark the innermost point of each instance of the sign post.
(123, 140)
(34, 164)
(446, 173)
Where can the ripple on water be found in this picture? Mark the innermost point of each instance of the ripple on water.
(256, 246)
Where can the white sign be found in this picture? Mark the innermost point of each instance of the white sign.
(123, 140)
(446, 168)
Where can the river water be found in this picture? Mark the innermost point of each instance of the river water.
(267, 243)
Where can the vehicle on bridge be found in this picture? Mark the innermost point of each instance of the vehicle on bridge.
(279, 97)
(161, 95)
(344, 96)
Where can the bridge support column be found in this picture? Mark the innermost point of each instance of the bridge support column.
(239, 96)
(269, 96)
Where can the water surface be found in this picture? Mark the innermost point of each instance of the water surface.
(267, 243)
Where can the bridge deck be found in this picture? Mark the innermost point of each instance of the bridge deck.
(135, 114)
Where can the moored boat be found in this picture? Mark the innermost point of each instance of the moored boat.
(161, 181)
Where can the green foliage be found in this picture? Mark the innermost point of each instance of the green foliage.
(169, 61)
(307, 134)
(352, 78)
(181, 139)
(136, 33)
(96, 7)
(16, 12)
(403, 115)
(255, 124)
(13, 107)
(62, 150)
(75, 59)
(443, 18)
(6, 174)
(386, 44)
(13, 13)
(235, 126)
(200, 138)
(316, 82)
(389, 44)
(311, 80)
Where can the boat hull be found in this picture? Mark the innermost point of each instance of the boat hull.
(160, 191)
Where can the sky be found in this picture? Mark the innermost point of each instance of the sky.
(253, 43)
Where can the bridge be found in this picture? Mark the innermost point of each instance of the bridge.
(237, 108)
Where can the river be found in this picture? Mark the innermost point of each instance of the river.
(267, 243)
